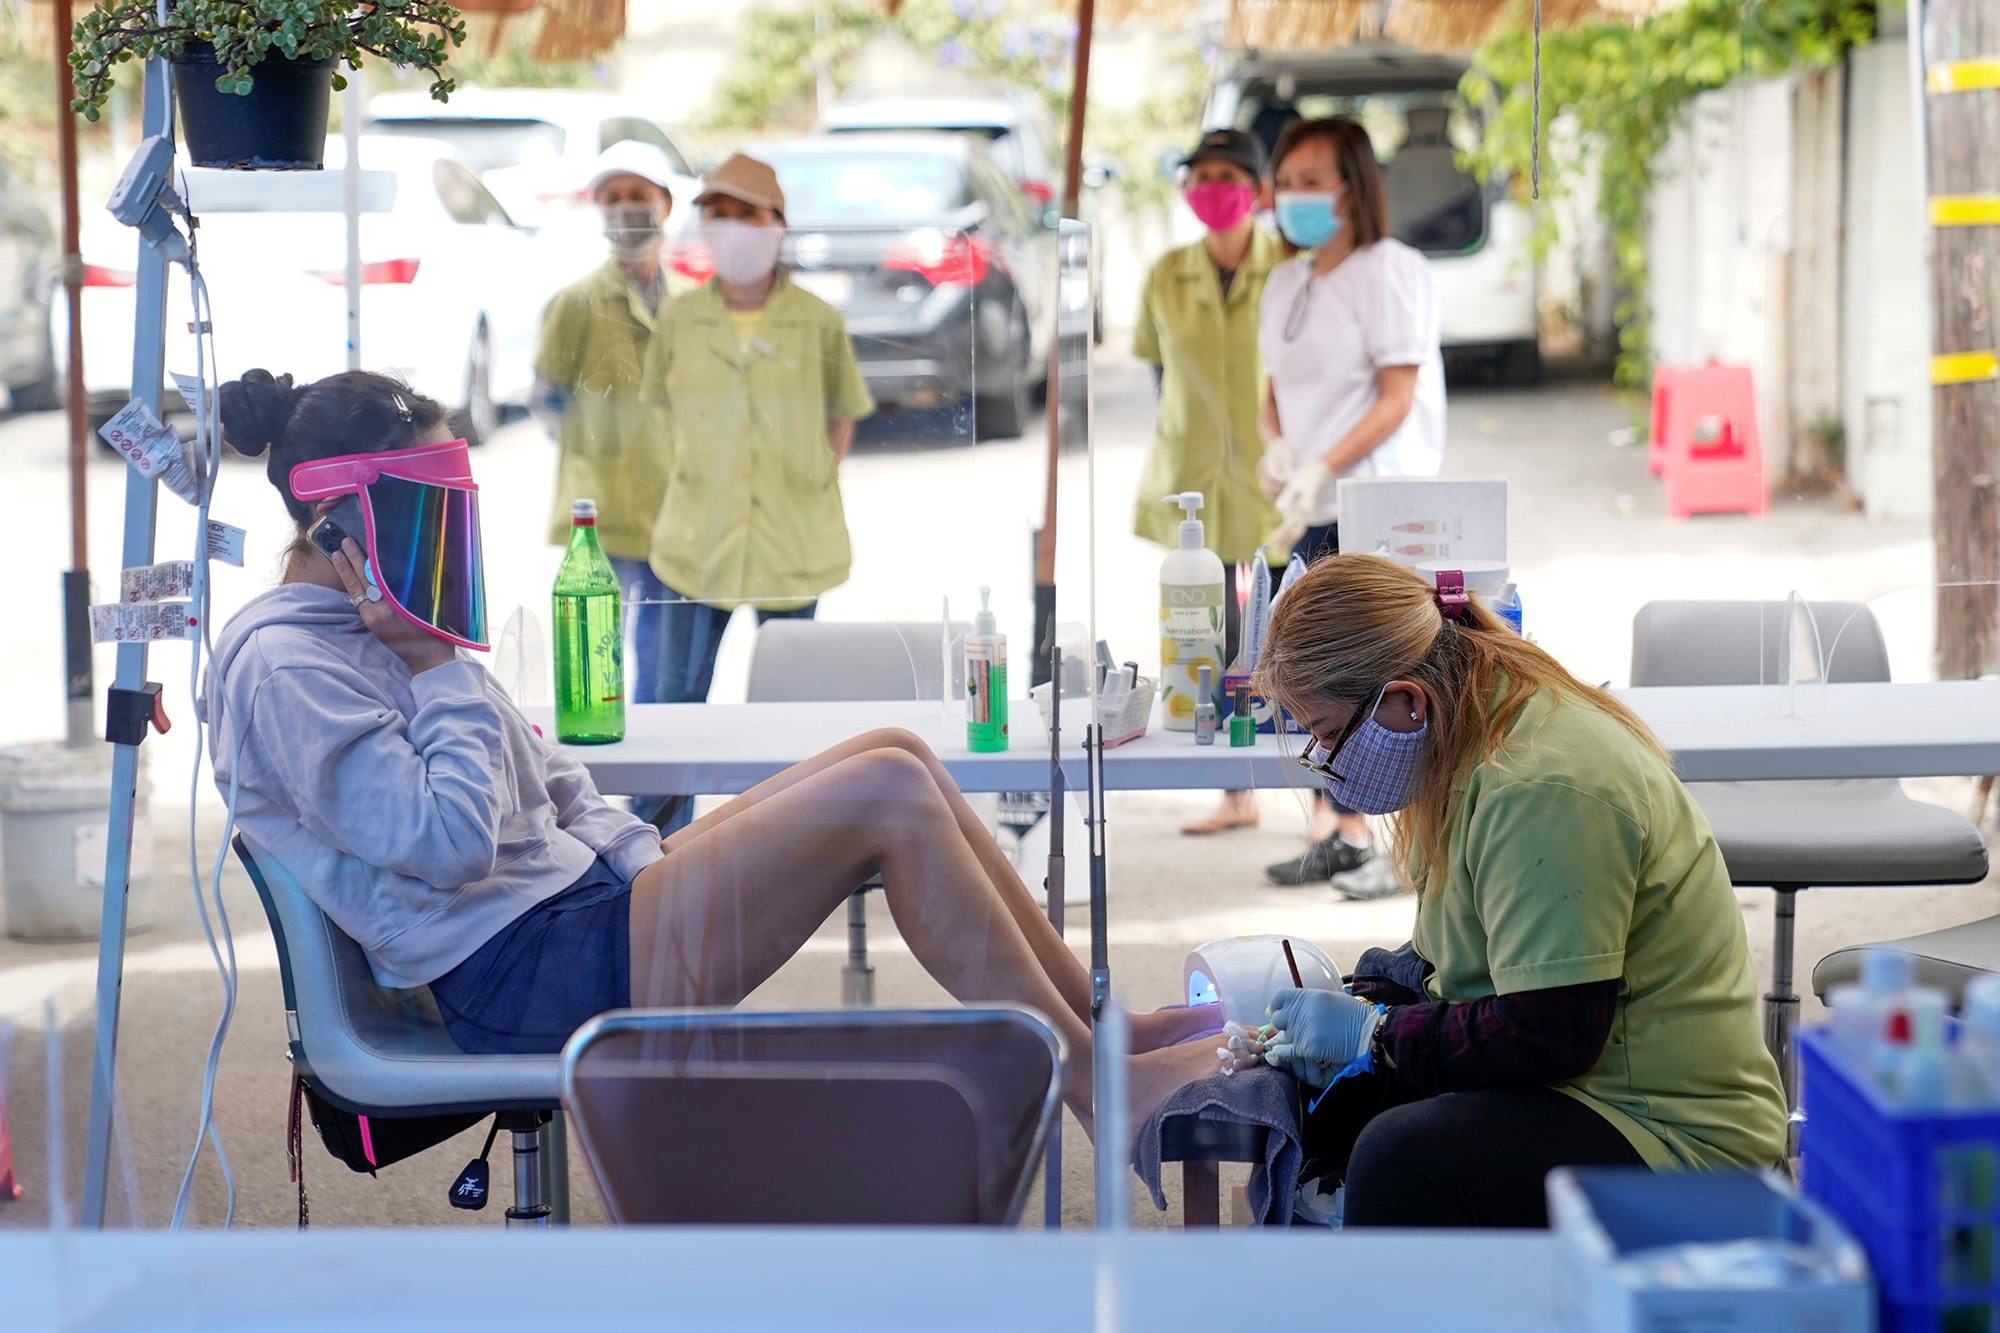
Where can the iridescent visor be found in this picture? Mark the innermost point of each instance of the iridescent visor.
(425, 542)
(421, 508)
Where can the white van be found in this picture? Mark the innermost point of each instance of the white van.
(1476, 237)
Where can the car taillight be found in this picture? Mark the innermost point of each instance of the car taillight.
(692, 261)
(96, 275)
(1040, 191)
(396, 271)
(941, 259)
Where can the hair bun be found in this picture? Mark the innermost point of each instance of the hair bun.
(255, 410)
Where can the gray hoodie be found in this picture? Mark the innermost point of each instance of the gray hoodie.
(421, 814)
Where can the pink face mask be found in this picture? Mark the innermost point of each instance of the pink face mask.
(1220, 205)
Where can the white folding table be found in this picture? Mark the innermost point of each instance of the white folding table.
(1715, 733)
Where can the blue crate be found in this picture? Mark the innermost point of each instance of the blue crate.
(1917, 1188)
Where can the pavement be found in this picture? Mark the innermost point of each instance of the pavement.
(932, 518)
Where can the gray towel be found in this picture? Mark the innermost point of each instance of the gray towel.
(1257, 1096)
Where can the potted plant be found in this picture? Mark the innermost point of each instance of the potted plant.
(252, 78)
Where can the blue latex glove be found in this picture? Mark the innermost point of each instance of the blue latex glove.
(1320, 1033)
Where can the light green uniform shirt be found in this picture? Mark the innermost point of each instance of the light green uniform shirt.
(752, 511)
(1577, 856)
(613, 440)
(1211, 387)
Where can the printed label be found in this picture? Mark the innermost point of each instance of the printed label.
(1190, 634)
(157, 583)
(152, 448)
(225, 543)
(190, 388)
(143, 622)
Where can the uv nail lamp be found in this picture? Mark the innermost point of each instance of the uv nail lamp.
(1244, 972)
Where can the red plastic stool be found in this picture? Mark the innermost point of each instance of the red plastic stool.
(1714, 457)
(1656, 438)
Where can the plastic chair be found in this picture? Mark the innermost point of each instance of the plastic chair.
(374, 1051)
(1946, 959)
(1789, 836)
(876, 1118)
(810, 661)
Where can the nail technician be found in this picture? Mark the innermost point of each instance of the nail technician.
(764, 391)
(1349, 336)
(1577, 988)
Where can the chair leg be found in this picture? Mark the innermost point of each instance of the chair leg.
(555, 1168)
(858, 977)
(1781, 1004)
(529, 1209)
(1201, 1195)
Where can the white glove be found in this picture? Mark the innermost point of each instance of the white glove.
(1274, 469)
(1295, 505)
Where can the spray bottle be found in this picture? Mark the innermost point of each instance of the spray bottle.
(985, 682)
(1191, 617)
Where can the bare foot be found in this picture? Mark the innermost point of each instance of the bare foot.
(1170, 1027)
(1237, 810)
(1154, 1077)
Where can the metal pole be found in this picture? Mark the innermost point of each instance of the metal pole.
(149, 356)
(79, 670)
(1045, 537)
(1054, 885)
(350, 203)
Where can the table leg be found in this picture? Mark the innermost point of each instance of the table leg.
(1201, 1195)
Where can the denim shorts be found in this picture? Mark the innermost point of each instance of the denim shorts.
(550, 970)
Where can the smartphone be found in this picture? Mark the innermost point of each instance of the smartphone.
(342, 521)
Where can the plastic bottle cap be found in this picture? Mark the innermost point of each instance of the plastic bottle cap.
(1884, 970)
(582, 509)
(984, 623)
(1202, 675)
(1982, 1003)
(1190, 503)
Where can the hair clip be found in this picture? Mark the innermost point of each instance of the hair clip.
(1452, 598)
(402, 408)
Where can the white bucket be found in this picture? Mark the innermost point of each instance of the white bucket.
(55, 811)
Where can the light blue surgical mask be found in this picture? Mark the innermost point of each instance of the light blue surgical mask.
(1307, 218)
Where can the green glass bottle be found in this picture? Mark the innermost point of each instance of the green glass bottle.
(589, 639)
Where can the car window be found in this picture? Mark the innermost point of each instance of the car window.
(620, 128)
(862, 188)
(1434, 205)
(285, 191)
(482, 142)
(464, 198)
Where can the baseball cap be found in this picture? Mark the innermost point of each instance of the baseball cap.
(1239, 147)
(744, 178)
(630, 157)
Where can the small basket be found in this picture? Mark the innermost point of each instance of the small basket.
(1123, 714)
(1917, 1187)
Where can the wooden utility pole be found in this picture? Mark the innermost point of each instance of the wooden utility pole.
(78, 668)
(1961, 61)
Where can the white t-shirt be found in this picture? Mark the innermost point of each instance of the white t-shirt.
(1377, 309)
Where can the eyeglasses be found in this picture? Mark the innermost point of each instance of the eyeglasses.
(1318, 759)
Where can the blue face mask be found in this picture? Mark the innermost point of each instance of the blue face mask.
(1307, 218)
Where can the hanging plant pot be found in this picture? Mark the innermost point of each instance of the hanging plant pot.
(279, 125)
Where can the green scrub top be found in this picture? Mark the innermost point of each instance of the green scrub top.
(613, 442)
(1577, 856)
(1211, 387)
(753, 512)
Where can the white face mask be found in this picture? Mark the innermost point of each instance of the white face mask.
(743, 253)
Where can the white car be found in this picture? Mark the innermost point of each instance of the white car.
(452, 290)
(1477, 238)
(534, 147)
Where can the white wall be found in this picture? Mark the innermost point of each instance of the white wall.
(1887, 328)
(1721, 229)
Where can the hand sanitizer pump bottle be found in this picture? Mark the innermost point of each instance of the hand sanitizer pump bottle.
(1191, 617)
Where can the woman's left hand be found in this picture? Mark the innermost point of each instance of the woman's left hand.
(1319, 1033)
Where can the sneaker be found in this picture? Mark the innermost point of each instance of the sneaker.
(1372, 879)
(1318, 863)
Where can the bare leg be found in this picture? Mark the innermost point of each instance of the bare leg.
(1238, 809)
(738, 897)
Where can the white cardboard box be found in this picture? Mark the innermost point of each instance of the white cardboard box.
(1410, 519)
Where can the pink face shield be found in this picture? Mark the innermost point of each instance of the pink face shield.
(420, 520)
